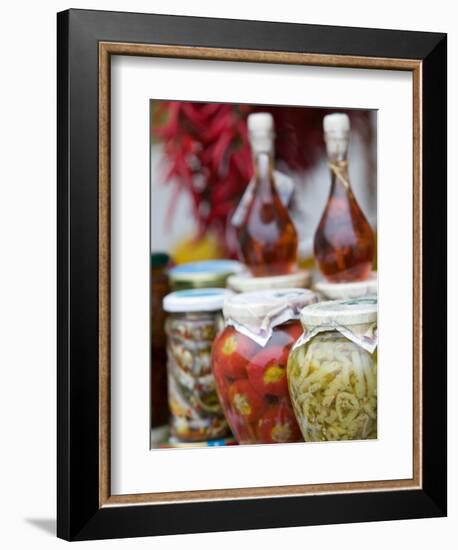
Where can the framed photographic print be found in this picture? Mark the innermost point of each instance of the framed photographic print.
(252, 274)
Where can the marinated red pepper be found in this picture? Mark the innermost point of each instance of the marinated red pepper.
(278, 425)
(245, 401)
(252, 385)
(267, 372)
(232, 351)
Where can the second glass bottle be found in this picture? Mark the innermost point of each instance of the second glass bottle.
(344, 240)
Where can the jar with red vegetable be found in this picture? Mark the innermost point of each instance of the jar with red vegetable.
(249, 361)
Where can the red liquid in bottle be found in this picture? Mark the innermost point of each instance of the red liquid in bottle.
(267, 237)
(344, 241)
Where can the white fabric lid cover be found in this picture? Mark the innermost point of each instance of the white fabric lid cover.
(245, 282)
(196, 299)
(357, 311)
(267, 308)
(355, 289)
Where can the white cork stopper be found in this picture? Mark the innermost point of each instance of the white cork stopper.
(336, 132)
(261, 130)
(260, 122)
(337, 123)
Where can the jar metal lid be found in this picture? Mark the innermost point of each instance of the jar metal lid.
(210, 269)
(195, 299)
(245, 282)
(357, 311)
(343, 291)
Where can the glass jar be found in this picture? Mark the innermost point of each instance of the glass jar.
(158, 356)
(332, 371)
(245, 282)
(205, 274)
(346, 291)
(193, 322)
(249, 363)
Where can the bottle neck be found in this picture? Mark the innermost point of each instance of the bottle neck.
(264, 168)
(337, 150)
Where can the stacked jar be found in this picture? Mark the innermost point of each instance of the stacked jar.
(203, 274)
(158, 355)
(245, 282)
(347, 290)
(249, 363)
(194, 320)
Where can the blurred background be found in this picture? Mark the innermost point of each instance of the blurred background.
(201, 165)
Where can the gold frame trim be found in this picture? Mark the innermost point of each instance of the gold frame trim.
(106, 50)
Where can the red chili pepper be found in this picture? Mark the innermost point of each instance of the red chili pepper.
(245, 402)
(231, 353)
(267, 371)
(278, 425)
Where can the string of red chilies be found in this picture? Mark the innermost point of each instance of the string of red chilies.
(208, 152)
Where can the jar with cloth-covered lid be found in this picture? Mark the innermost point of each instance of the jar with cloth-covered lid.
(332, 371)
(249, 363)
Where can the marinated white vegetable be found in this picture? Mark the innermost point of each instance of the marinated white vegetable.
(333, 380)
(333, 387)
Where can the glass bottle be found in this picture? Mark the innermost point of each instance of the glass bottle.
(267, 237)
(344, 240)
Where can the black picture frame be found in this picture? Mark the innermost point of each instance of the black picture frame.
(79, 513)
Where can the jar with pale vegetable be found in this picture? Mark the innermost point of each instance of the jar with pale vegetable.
(332, 371)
